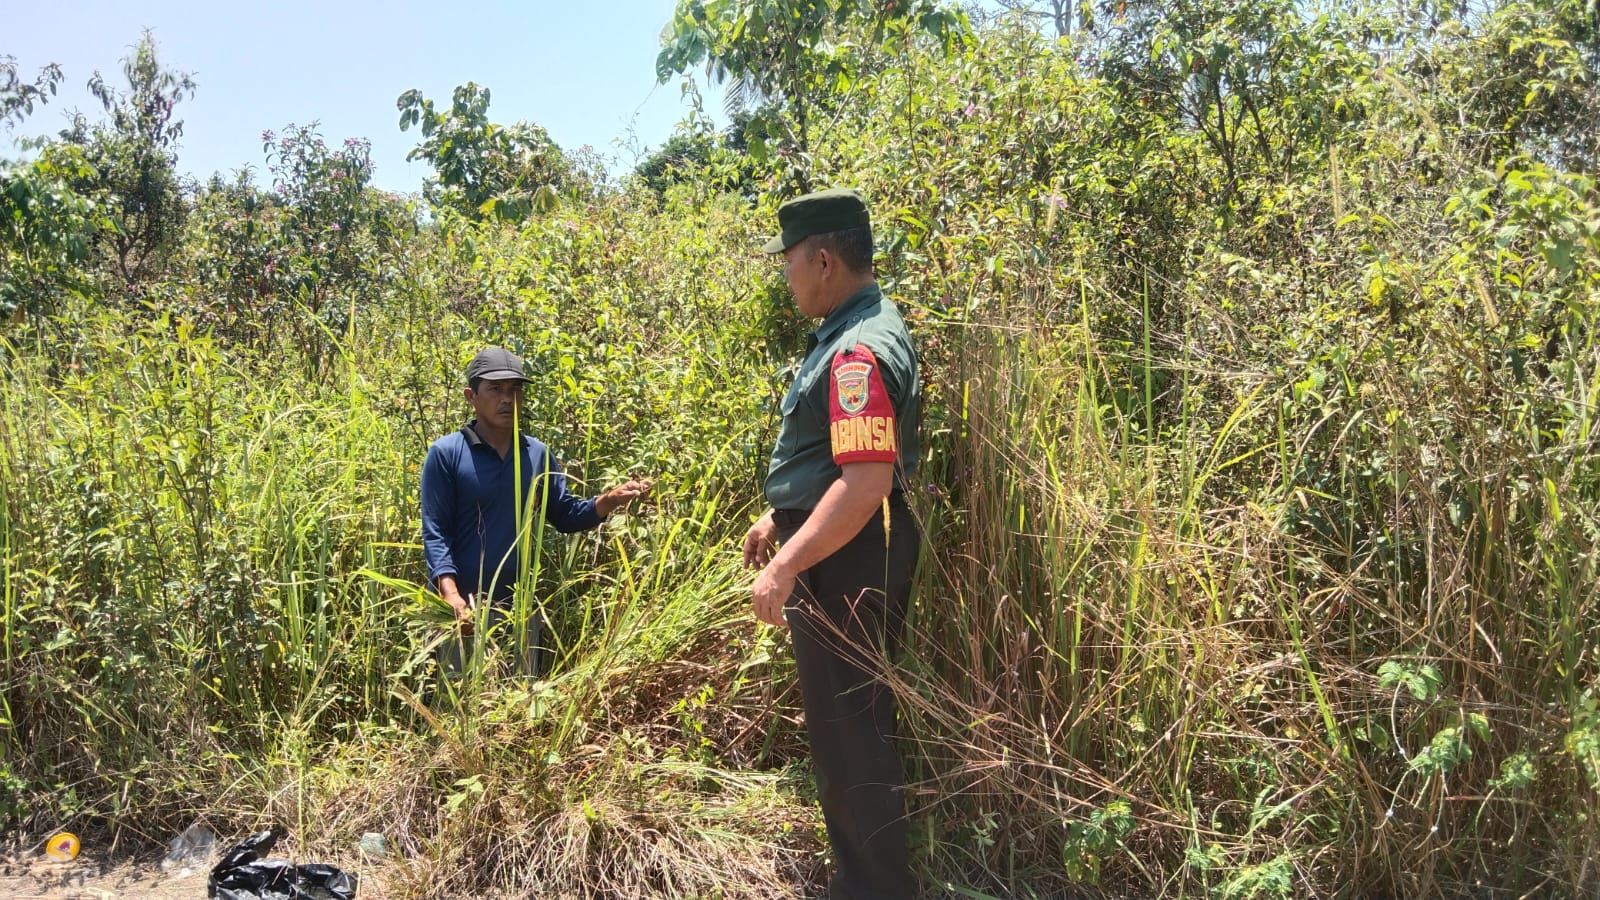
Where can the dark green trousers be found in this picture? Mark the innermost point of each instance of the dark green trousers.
(845, 618)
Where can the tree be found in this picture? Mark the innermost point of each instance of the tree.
(695, 149)
(683, 155)
(1529, 82)
(300, 258)
(484, 170)
(133, 161)
(45, 227)
(792, 49)
(326, 194)
(1064, 14)
(1264, 83)
(17, 97)
(45, 231)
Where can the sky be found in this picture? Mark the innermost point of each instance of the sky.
(586, 73)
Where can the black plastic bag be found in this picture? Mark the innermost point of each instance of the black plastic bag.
(244, 875)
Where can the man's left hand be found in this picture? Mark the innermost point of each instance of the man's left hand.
(621, 495)
(770, 592)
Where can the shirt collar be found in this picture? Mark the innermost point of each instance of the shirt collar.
(847, 311)
(470, 432)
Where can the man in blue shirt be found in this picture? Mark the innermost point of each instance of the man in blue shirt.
(471, 491)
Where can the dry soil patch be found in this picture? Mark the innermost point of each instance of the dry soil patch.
(88, 878)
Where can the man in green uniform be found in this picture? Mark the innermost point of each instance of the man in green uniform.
(838, 547)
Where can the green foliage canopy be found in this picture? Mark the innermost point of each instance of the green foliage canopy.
(132, 162)
(794, 49)
(18, 97)
(484, 170)
(45, 232)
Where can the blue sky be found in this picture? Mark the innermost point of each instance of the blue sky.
(584, 71)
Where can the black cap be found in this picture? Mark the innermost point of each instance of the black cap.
(835, 209)
(495, 364)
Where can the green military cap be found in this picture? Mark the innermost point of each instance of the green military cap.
(835, 209)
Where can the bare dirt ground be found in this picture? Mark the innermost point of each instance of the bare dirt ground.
(86, 878)
(89, 878)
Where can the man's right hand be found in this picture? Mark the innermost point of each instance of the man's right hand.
(463, 610)
(461, 605)
(760, 543)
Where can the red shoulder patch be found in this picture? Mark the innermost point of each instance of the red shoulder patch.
(861, 418)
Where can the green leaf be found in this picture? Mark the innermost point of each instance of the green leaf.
(1479, 723)
(1422, 681)
(1559, 254)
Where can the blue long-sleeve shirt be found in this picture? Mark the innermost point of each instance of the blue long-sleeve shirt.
(469, 516)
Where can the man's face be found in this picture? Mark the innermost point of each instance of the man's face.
(496, 402)
(803, 270)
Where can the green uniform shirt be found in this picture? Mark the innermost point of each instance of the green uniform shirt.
(803, 461)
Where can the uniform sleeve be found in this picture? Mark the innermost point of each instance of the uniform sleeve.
(566, 512)
(861, 420)
(438, 513)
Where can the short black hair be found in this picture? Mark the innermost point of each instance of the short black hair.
(853, 247)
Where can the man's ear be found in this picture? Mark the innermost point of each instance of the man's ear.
(825, 260)
(467, 392)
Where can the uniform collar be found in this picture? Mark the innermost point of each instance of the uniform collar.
(847, 311)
